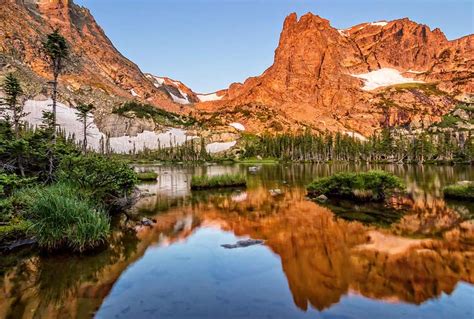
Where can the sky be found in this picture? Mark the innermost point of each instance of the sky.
(209, 44)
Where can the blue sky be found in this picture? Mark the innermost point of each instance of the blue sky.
(208, 44)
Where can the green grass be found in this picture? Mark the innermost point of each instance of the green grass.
(366, 186)
(258, 161)
(460, 191)
(147, 176)
(228, 180)
(15, 229)
(61, 219)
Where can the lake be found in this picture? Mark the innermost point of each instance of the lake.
(331, 260)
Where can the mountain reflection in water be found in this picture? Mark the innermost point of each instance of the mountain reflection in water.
(329, 264)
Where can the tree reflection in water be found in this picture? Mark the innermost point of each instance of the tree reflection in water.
(323, 257)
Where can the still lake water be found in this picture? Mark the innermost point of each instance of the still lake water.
(315, 263)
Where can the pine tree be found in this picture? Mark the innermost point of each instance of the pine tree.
(82, 114)
(14, 108)
(57, 51)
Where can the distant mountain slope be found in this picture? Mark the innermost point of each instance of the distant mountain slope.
(354, 80)
(358, 79)
(95, 64)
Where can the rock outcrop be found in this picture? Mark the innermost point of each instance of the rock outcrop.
(94, 63)
(354, 80)
(315, 80)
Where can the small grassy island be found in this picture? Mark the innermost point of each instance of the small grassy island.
(147, 176)
(208, 182)
(364, 186)
(462, 191)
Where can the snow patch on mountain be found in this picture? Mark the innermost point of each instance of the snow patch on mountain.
(356, 135)
(220, 146)
(179, 100)
(383, 77)
(67, 120)
(209, 97)
(237, 126)
(132, 91)
(379, 23)
(416, 72)
(343, 32)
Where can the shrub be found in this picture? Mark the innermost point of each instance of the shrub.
(104, 179)
(372, 185)
(147, 176)
(464, 191)
(10, 182)
(62, 219)
(228, 180)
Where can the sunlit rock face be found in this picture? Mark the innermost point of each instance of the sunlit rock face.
(95, 67)
(314, 77)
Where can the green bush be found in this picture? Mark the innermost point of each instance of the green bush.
(104, 179)
(228, 180)
(147, 176)
(372, 185)
(63, 219)
(464, 191)
(11, 182)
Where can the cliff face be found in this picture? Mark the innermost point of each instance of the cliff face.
(354, 80)
(351, 80)
(94, 63)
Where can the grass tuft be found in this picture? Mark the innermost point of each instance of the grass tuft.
(61, 219)
(228, 180)
(147, 176)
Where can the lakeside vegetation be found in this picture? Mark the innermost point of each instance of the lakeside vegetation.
(51, 189)
(362, 186)
(147, 176)
(219, 181)
(63, 218)
(448, 142)
(461, 191)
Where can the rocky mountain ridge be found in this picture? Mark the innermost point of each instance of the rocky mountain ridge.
(324, 78)
(354, 80)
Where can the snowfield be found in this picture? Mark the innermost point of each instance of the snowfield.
(132, 91)
(383, 77)
(379, 23)
(179, 100)
(67, 120)
(209, 97)
(220, 146)
(356, 135)
(237, 126)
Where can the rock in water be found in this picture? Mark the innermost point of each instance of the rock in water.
(322, 198)
(146, 222)
(276, 192)
(253, 169)
(243, 243)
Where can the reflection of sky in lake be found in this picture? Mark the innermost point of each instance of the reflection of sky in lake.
(312, 265)
(199, 279)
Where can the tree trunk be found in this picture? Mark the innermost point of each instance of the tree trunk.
(54, 98)
(84, 144)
